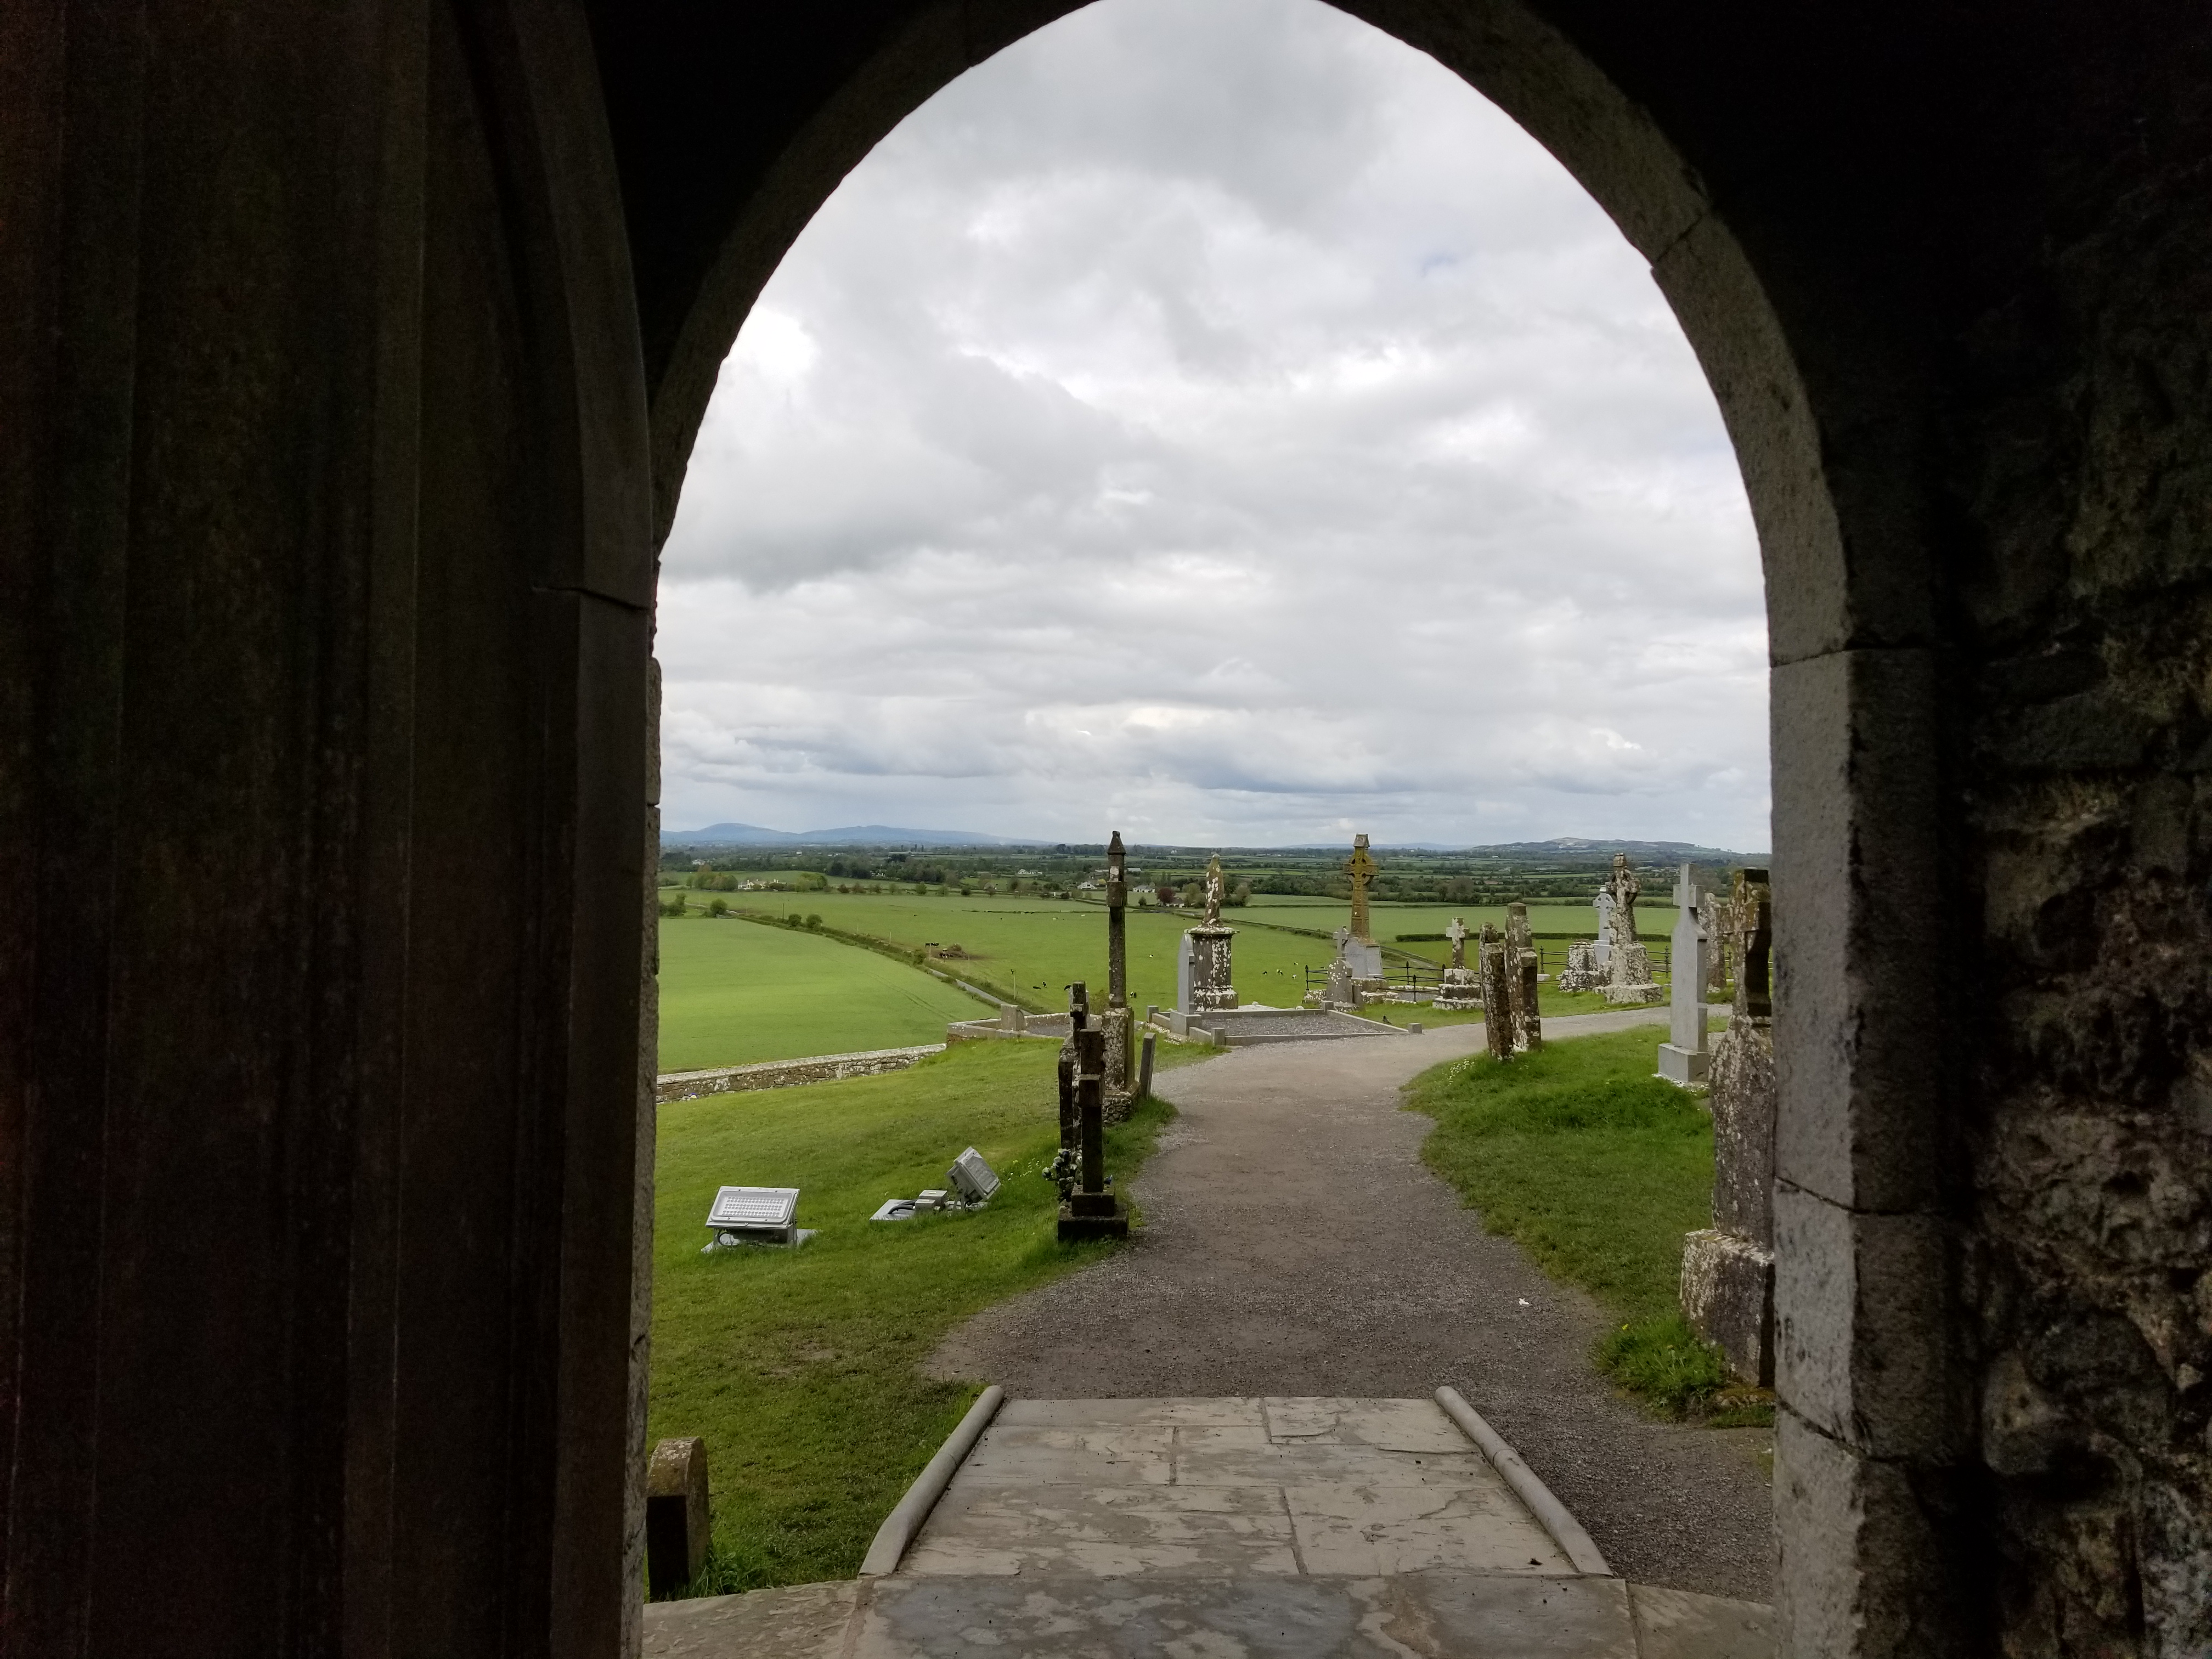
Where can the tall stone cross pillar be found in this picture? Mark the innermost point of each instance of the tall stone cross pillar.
(1682, 1057)
(1727, 1269)
(1364, 955)
(1120, 1091)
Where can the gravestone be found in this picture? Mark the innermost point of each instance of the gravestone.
(1727, 1269)
(1117, 1022)
(1523, 977)
(1203, 969)
(677, 1524)
(1683, 1057)
(1364, 954)
(1462, 986)
(1628, 978)
(1496, 994)
(1090, 1211)
(1587, 957)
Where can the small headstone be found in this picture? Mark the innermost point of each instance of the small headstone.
(677, 1524)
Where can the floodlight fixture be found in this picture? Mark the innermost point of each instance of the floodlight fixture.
(754, 1215)
(972, 1178)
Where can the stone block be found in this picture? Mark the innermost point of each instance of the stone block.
(1684, 1065)
(1859, 994)
(1861, 1570)
(1728, 1297)
(1743, 1099)
(1074, 1226)
(676, 1522)
(1862, 1344)
(1678, 1624)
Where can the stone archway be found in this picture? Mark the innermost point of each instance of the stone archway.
(351, 359)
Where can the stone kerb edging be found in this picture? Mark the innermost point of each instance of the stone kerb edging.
(903, 1522)
(1554, 1516)
(786, 1073)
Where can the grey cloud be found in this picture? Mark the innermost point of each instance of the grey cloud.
(1230, 378)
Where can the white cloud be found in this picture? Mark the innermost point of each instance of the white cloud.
(1212, 418)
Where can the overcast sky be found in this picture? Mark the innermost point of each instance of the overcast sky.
(1212, 419)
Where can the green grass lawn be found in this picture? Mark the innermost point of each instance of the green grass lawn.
(1028, 948)
(1597, 1167)
(802, 1367)
(734, 992)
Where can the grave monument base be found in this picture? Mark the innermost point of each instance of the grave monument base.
(1683, 1066)
(1092, 1215)
(1728, 1296)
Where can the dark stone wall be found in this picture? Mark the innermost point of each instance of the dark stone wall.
(2081, 470)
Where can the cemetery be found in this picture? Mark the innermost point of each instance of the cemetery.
(357, 359)
(984, 1167)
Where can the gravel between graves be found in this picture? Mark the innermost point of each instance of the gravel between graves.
(1294, 1245)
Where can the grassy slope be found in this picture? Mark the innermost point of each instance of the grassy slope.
(800, 1367)
(732, 992)
(1030, 948)
(1598, 1169)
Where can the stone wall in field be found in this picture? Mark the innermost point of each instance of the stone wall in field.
(786, 1073)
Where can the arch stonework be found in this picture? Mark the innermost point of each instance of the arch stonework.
(353, 355)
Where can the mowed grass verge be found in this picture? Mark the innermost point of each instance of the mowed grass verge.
(801, 1368)
(734, 992)
(1597, 1167)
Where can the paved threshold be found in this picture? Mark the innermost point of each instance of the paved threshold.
(1221, 1529)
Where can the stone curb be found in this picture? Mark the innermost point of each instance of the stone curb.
(904, 1521)
(1566, 1532)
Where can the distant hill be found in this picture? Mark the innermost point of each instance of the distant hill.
(857, 834)
(1575, 849)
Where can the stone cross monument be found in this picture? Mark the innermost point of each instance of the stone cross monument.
(1202, 971)
(1727, 1269)
(1117, 1021)
(1628, 978)
(1364, 955)
(1682, 1057)
(1462, 986)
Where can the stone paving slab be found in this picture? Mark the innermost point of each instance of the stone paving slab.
(1339, 1487)
(1112, 1531)
(1164, 1413)
(1430, 1615)
(1232, 1529)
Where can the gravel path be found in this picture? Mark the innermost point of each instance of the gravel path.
(1294, 1245)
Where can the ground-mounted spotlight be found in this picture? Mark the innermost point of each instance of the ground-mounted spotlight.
(755, 1215)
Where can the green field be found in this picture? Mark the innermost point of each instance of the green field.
(1598, 1169)
(1026, 950)
(734, 992)
(800, 1367)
